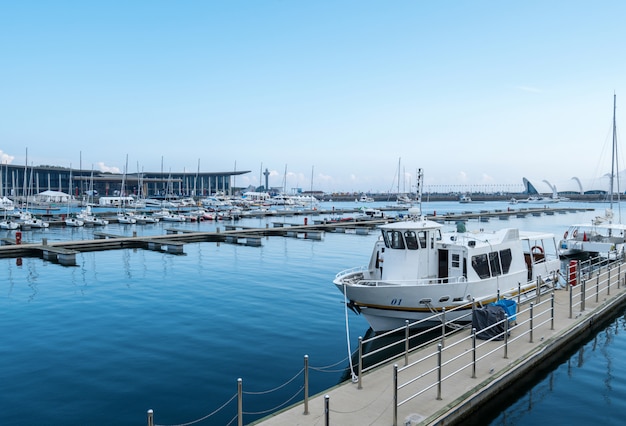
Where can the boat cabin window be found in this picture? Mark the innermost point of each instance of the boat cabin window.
(411, 240)
(481, 265)
(393, 239)
(492, 264)
(436, 236)
(422, 238)
(505, 259)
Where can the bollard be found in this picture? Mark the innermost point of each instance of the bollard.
(44, 241)
(150, 419)
(439, 348)
(474, 353)
(360, 368)
(395, 394)
(326, 410)
(306, 220)
(18, 237)
(239, 402)
(306, 384)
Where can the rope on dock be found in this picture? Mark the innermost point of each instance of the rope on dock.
(326, 368)
(276, 388)
(207, 416)
(271, 410)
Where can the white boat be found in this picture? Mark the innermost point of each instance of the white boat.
(6, 204)
(144, 218)
(465, 199)
(173, 217)
(8, 224)
(73, 222)
(603, 236)
(87, 216)
(34, 222)
(403, 199)
(126, 218)
(416, 270)
(365, 199)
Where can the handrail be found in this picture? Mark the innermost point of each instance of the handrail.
(594, 277)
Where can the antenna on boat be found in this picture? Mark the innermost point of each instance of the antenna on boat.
(419, 185)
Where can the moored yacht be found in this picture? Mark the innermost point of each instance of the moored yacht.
(417, 270)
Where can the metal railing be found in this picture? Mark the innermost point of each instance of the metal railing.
(587, 281)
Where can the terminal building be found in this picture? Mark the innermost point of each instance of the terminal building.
(19, 181)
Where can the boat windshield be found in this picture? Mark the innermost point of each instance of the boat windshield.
(408, 239)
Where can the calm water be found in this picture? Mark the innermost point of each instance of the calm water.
(129, 330)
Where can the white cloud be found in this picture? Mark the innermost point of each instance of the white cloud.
(104, 168)
(6, 158)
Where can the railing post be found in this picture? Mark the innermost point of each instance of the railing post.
(608, 283)
(583, 288)
(598, 287)
(506, 336)
(360, 368)
(519, 293)
(443, 326)
(406, 342)
(395, 395)
(326, 410)
(538, 298)
(474, 353)
(552, 312)
(239, 402)
(531, 322)
(439, 375)
(306, 384)
(150, 418)
(473, 307)
(619, 274)
(571, 301)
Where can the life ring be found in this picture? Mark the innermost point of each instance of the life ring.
(575, 233)
(565, 235)
(537, 249)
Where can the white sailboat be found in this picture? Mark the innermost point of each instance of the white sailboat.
(602, 237)
(123, 216)
(71, 220)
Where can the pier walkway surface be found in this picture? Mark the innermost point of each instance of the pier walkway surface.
(453, 393)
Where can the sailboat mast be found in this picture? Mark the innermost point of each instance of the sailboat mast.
(614, 147)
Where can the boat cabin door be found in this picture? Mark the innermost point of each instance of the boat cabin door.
(452, 266)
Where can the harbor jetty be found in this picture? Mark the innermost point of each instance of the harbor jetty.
(64, 252)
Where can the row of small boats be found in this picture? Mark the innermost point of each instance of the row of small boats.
(86, 217)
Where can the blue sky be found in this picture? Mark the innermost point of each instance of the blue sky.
(476, 93)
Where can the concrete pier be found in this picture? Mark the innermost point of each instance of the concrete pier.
(386, 395)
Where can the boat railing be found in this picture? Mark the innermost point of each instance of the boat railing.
(351, 271)
(423, 281)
